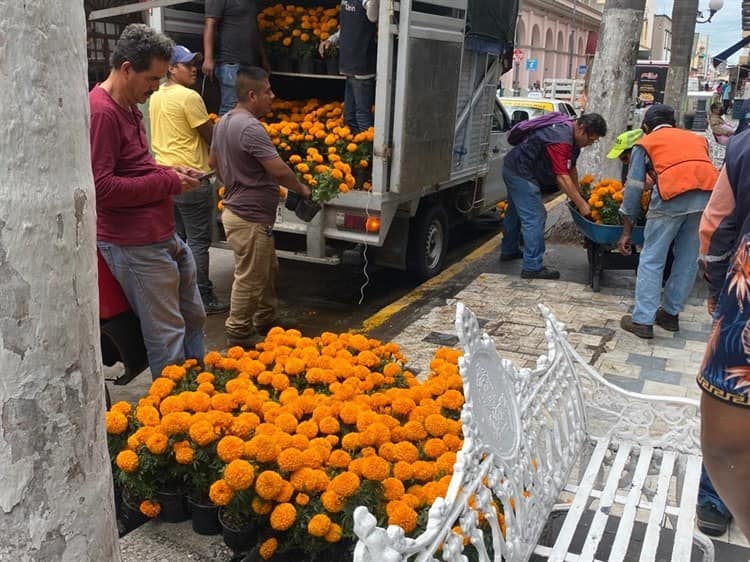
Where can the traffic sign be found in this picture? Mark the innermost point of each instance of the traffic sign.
(582, 69)
(532, 64)
(517, 55)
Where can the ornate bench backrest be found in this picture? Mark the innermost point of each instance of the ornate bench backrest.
(523, 432)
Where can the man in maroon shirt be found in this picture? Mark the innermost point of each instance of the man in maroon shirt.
(135, 223)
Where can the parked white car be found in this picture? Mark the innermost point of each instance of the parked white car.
(521, 109)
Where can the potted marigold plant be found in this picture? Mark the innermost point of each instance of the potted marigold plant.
(305, 51)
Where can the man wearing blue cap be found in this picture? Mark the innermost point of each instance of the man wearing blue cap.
(181, 133)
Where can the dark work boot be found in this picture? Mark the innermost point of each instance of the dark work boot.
(212, 305)
(670, 322)
(645, 331)
(544, 273)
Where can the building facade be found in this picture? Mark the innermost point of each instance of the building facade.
(700, 59)
(560, 35)
(661, 40)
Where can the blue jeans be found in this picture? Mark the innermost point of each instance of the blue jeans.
(525, 213)
(707, 494)
(359, 96)
(659, 234)
(192, 214)
(159, 281)
(227, 76)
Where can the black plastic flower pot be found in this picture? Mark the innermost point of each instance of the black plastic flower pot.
(132, 518)
(292, 199)
(238, 537)
(205, 517)
(320, 66)
(306, 210)
(284, 64)
(174, 507)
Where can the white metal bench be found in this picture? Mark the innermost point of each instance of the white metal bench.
(558, 438)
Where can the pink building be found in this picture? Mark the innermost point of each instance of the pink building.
(560, 35)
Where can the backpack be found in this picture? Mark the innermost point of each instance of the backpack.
(520, 131)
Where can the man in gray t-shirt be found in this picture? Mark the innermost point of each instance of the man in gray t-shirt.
(247, 162)
(231, 40)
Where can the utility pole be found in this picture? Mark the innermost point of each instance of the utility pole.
(611, 82)
(684, 14)
(56, 494)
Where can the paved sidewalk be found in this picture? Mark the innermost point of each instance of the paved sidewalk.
(507, 307)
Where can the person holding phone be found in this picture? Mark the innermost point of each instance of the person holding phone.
(181, 133)
(135, 227)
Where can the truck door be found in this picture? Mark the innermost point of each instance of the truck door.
(494, 186)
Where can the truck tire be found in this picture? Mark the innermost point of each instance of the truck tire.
(428, 242)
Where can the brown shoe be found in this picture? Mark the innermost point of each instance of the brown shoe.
(645, 331)
(670, 322)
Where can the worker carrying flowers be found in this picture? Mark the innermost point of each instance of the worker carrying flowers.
(679, 163)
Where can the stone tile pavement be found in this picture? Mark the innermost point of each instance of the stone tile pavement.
(507, 307)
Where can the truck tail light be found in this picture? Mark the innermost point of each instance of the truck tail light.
(360, 223)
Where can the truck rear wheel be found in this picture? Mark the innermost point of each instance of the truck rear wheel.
(428, 242)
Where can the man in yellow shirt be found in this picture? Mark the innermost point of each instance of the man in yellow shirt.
(181, 133)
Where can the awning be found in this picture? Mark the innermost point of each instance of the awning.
(726, 53)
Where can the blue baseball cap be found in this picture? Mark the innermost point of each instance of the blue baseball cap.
(182, 54)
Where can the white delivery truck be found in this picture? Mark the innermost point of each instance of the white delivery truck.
(439, 131)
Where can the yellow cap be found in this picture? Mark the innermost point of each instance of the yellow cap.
(625, 141)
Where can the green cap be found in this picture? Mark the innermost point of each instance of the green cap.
(625, 141)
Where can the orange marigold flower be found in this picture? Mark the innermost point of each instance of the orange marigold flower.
(223, 402)
(206, 388)
(174, 372)
(268, 484)
(290, 460)
(211, 358)
(220, 492)
(286, 493)
(334, 533)
(308, 428)
(349, 413)
(345, 484)
(283, 517)
(239, 474)
(302, 499)
(127, 461)
(268, 547)
(454, 442)
(403, 471)
(436, 425)
(375, 468)
(446, 461)
(117, 423)
(122, 407)
(405, 451)
(268, 448)
(177, 422)
(294, 366)
(161, 387)
(286, 422)
(149, 508)
(199, 401)
(332, 502)
(147, 415)
(401, 514)
(319, 525)
(414, 431)
(434, 447)
(184, 455)
(393, 489)
(329, 425)
(157, 443)
(339, 459)
(451, 400)
(261, 507)
(172, 404)
(203, 433)
(230, 448)
(351, 441)
(243, 425)
(423, 470)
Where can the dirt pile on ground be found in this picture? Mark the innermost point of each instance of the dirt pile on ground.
(564, 232)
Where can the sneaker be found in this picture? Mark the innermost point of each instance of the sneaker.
(544, 273)
(711, 521)
(644, 331)
(510, 257)
(212, 305)
(670, 322)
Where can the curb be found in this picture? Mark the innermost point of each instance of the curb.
(389, 311)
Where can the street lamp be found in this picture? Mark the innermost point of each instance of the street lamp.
(713, 7)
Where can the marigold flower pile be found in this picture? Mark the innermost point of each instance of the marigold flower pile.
(302, 430)
(295, 31)
(605, 199)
